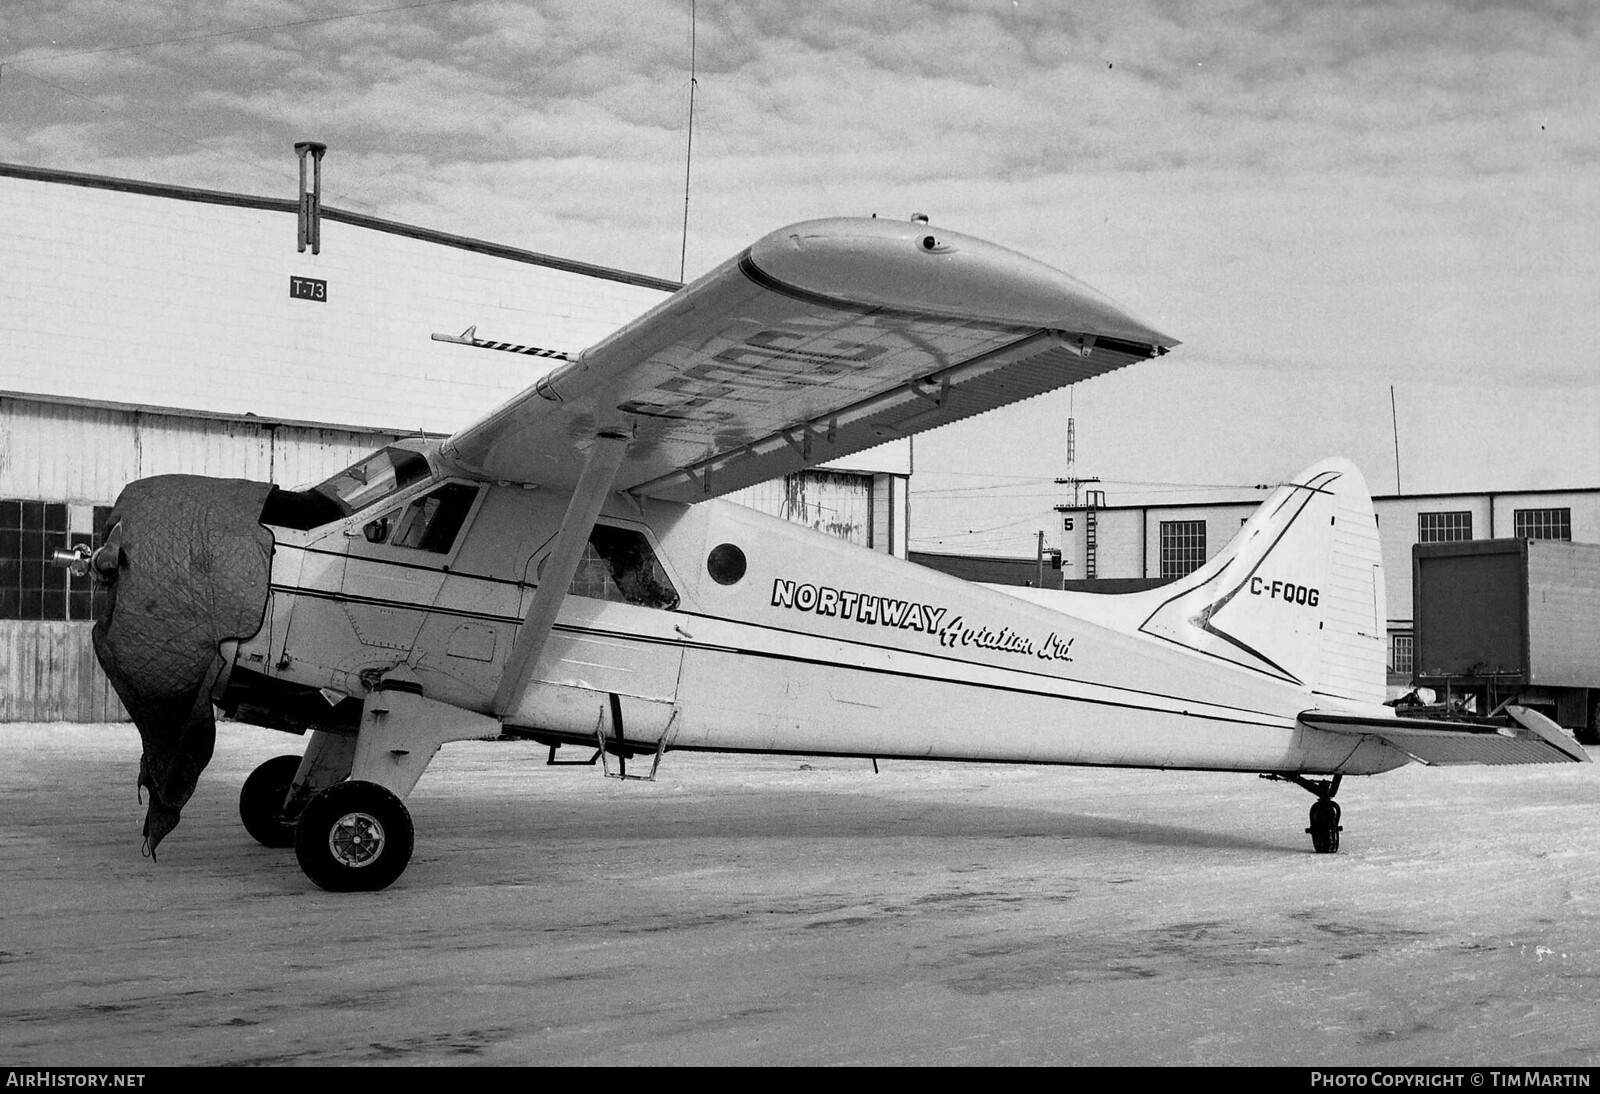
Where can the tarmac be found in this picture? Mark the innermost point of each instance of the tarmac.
(786, 910)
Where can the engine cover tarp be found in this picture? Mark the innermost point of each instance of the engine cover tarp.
(195, 570)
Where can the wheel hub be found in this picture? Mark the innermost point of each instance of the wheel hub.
(356, 840)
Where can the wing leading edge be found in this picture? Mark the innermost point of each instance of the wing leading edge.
(819, 341)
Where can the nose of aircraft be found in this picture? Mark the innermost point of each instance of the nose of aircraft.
(188, 565)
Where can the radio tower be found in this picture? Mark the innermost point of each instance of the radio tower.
(1072, 456)
(1072, 478)
(1096, 497)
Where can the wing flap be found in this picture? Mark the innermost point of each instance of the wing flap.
(820, 341)
(1530, 739)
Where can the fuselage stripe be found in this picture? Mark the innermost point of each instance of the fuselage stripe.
(1247, 717)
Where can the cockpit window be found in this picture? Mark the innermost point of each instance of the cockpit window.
(619, 565)
(429, 524)
(374, 478)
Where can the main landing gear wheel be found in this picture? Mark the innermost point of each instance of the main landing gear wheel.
(1325, 827)
(261, 801)
(354, 837)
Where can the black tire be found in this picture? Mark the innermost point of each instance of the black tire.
(261, 802)
(354, 837)
(1590, 733)
(1325, 826)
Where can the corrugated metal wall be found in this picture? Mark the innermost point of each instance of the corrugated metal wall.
(868, 509)
(153, 296)
(84, 456)
(48, 674)
(837, 503)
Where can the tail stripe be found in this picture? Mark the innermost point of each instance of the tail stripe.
(1257, 661)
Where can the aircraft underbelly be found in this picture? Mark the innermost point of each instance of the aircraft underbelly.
(910, 709)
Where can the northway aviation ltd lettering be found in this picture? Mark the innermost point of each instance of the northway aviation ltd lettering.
(910, 615)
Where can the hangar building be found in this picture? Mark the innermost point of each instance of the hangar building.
(150, 329)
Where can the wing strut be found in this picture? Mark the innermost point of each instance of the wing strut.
(588, 496)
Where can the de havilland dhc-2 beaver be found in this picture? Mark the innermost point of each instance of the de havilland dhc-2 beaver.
(562, 570)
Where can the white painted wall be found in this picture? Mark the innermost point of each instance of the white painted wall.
(159, 301)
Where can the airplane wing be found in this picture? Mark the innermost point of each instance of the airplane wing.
(822, 339)
(1531, 739)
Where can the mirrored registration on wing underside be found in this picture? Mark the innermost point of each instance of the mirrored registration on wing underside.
(762, 373)
(702, 465)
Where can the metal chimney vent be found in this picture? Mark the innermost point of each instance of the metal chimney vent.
(311, 200)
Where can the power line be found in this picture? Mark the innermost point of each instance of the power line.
(961, 492)
(963, 495)
(988, 475)
(984, 531)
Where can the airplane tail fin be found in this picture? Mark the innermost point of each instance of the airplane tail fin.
(1297, 595)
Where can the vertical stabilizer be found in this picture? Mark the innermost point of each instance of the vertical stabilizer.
(1298, 594)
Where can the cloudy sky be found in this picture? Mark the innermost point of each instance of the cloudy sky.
(1320, 200)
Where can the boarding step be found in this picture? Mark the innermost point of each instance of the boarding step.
(608, 739)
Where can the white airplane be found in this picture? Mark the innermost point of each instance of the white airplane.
(560, 570)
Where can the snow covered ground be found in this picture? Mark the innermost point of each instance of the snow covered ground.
(780, 910)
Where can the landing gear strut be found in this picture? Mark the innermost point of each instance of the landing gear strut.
(1325, 826)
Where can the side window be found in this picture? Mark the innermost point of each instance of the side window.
(619, 565)
(383, 473)
(375, 477)
(428, 524)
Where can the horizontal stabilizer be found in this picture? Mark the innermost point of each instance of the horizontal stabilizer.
(1530, 739)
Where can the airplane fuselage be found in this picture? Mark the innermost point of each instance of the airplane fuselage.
(734, 631)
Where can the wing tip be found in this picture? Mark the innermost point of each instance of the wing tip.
(913, 266)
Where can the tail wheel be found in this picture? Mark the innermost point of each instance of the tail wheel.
(354, 837)
(1325, 827)
(261, 802)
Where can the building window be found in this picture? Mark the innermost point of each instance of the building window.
(1401, 650)
(1183, 547)
(1543, 523)
(1443, 527)
(31, 586)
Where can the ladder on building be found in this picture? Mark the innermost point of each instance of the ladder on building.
(1093, 499)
